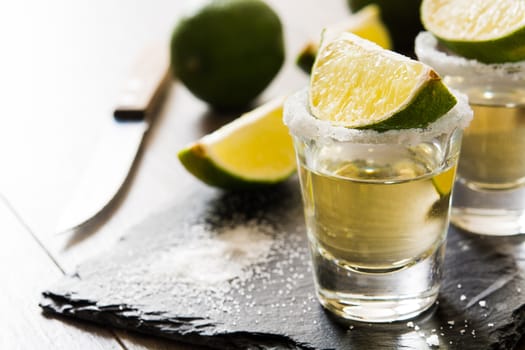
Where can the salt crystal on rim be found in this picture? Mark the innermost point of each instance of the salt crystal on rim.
(304, 125)
(426, 48)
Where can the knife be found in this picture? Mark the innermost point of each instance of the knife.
(120, 141)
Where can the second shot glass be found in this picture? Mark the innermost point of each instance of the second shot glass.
(490, 191)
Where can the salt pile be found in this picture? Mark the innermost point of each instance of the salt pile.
(210, 261)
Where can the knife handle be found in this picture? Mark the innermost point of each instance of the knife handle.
(146, 84)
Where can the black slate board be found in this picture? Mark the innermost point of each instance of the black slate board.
(276, 307)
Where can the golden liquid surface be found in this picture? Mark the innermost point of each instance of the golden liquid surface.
(493, 148)
(364, 222)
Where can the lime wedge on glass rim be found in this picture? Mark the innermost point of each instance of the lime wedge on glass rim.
(254, 150)
(357, 84)
(488, 31)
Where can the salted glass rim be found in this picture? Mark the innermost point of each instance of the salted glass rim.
(428, 51)
(304, 125)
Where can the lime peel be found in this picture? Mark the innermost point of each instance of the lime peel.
(227, 52)
(496, 36)
(430, 102)
(428, 50)
(252, 151)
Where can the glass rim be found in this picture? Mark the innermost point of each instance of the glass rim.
(303, 125)
(427, 51)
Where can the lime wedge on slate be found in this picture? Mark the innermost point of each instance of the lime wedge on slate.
(252, 151)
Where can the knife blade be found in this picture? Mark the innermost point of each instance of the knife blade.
(121, 140)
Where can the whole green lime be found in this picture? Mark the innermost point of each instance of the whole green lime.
(226, 52)
(400, 16)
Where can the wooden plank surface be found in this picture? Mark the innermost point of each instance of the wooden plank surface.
(25, 269)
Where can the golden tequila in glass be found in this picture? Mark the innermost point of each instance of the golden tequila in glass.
(377, 210)
(493, 148)
(377, 219)
(490, 191)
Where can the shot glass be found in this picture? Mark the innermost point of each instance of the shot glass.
(376, 206)
(490, 190)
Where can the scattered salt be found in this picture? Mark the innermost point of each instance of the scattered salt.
(432, 340)
(459, 286)
(462, 297)
(216, 266)
(491, 324)
(410, 324)
(482, 303)
(451, 323)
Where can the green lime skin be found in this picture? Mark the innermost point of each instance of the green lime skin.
(432, 102)
(195, 160)
(510, 48)
(401, 17)
(228, 51)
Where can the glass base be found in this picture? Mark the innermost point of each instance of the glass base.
(378, 297)
(375, 309)
(494, 213)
